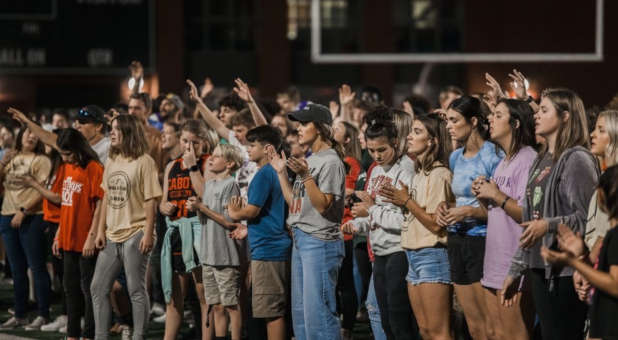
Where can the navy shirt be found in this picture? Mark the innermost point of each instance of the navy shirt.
(268, 237)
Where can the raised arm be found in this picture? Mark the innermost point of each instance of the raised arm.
(137, 76)
(243, 91)
(45, 136)
(209, 117)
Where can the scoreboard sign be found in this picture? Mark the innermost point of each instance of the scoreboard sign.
(75, 36)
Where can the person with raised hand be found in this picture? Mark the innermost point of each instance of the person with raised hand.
(511, 126)
(346, 103)
(466, 221)
(428, 277)
(560, 184)
(126, 227)
(603, 274)
(21, 226)
(315, 200)
(243, 91)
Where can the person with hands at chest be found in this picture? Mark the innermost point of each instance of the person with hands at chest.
(77, 190)
(183, 178)
(126, 227)
(560, 183)
(220, 254)
(21, 226)
(511, 126)
(429, 288)
(269, 240)
(602, 275)
(315, 200)
(383, 220)
(466, 221)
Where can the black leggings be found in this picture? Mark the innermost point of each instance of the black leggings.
(348, 304)
(389, 279)
(561, 313)
(78, 272)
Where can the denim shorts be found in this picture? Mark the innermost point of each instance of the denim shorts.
(428, 265)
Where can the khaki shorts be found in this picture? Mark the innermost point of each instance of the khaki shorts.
(221, 285)
(270, 281)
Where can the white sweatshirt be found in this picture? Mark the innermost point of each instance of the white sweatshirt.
(385, 219)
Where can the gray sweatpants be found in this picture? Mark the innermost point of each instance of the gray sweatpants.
(109, 264)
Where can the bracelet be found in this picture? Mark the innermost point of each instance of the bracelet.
(194, 168)
(306, 178)
(406, 202)
(504, 202)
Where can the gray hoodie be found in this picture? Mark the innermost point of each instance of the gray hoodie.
(385, 219)
(570, 185)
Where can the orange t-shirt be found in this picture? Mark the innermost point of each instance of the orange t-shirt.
(80, 191)
(51, 212)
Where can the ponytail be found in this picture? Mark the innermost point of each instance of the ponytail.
(326, 131)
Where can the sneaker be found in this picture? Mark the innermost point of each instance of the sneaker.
(60, 322)
(157, 309)
(126, 333)
(63, 329)
(11, 311)
(160, 318)
(14, 322)
(36, 324)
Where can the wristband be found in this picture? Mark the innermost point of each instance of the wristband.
(406, 202)
(306, 178)
(529, 99)
(504, 202)
(194, 168)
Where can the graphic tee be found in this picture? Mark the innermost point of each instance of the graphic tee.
(128, 184)
(80, 189)
(328, 172)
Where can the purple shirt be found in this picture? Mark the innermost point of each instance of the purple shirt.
(503, 232)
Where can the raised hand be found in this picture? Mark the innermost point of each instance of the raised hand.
(519, 85)
(346, 95)
(193, 91)
(207, 87)
(136, 69)
(279, 163)
(243, 91)
(188, 158)
(495, 93)
(333, 106)
(18, 115)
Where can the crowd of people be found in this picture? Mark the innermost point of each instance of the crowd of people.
(486, 216)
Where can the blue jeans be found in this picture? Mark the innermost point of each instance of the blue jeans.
(26, 246)
(315, 266)
(374, 313)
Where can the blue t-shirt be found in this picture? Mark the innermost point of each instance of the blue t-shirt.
(268, 238)
(465, 171)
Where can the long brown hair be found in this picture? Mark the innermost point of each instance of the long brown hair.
(574, 131)
(133, 143)
(440, 150)
(326, 132)
(352, 148)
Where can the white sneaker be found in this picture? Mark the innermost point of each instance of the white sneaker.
(14, 322)
(36, 324)
(160, 318)
(126, 333)
(60, 322)
(157, 309)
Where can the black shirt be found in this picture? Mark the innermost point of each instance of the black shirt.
(604, 311)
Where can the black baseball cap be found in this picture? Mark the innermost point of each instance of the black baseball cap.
(91, 114)
(312, 113)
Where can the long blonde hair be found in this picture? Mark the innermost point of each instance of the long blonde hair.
(611, 126)
(133, 143)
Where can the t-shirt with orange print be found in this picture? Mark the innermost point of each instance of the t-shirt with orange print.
(51, 211)
(80, 191)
